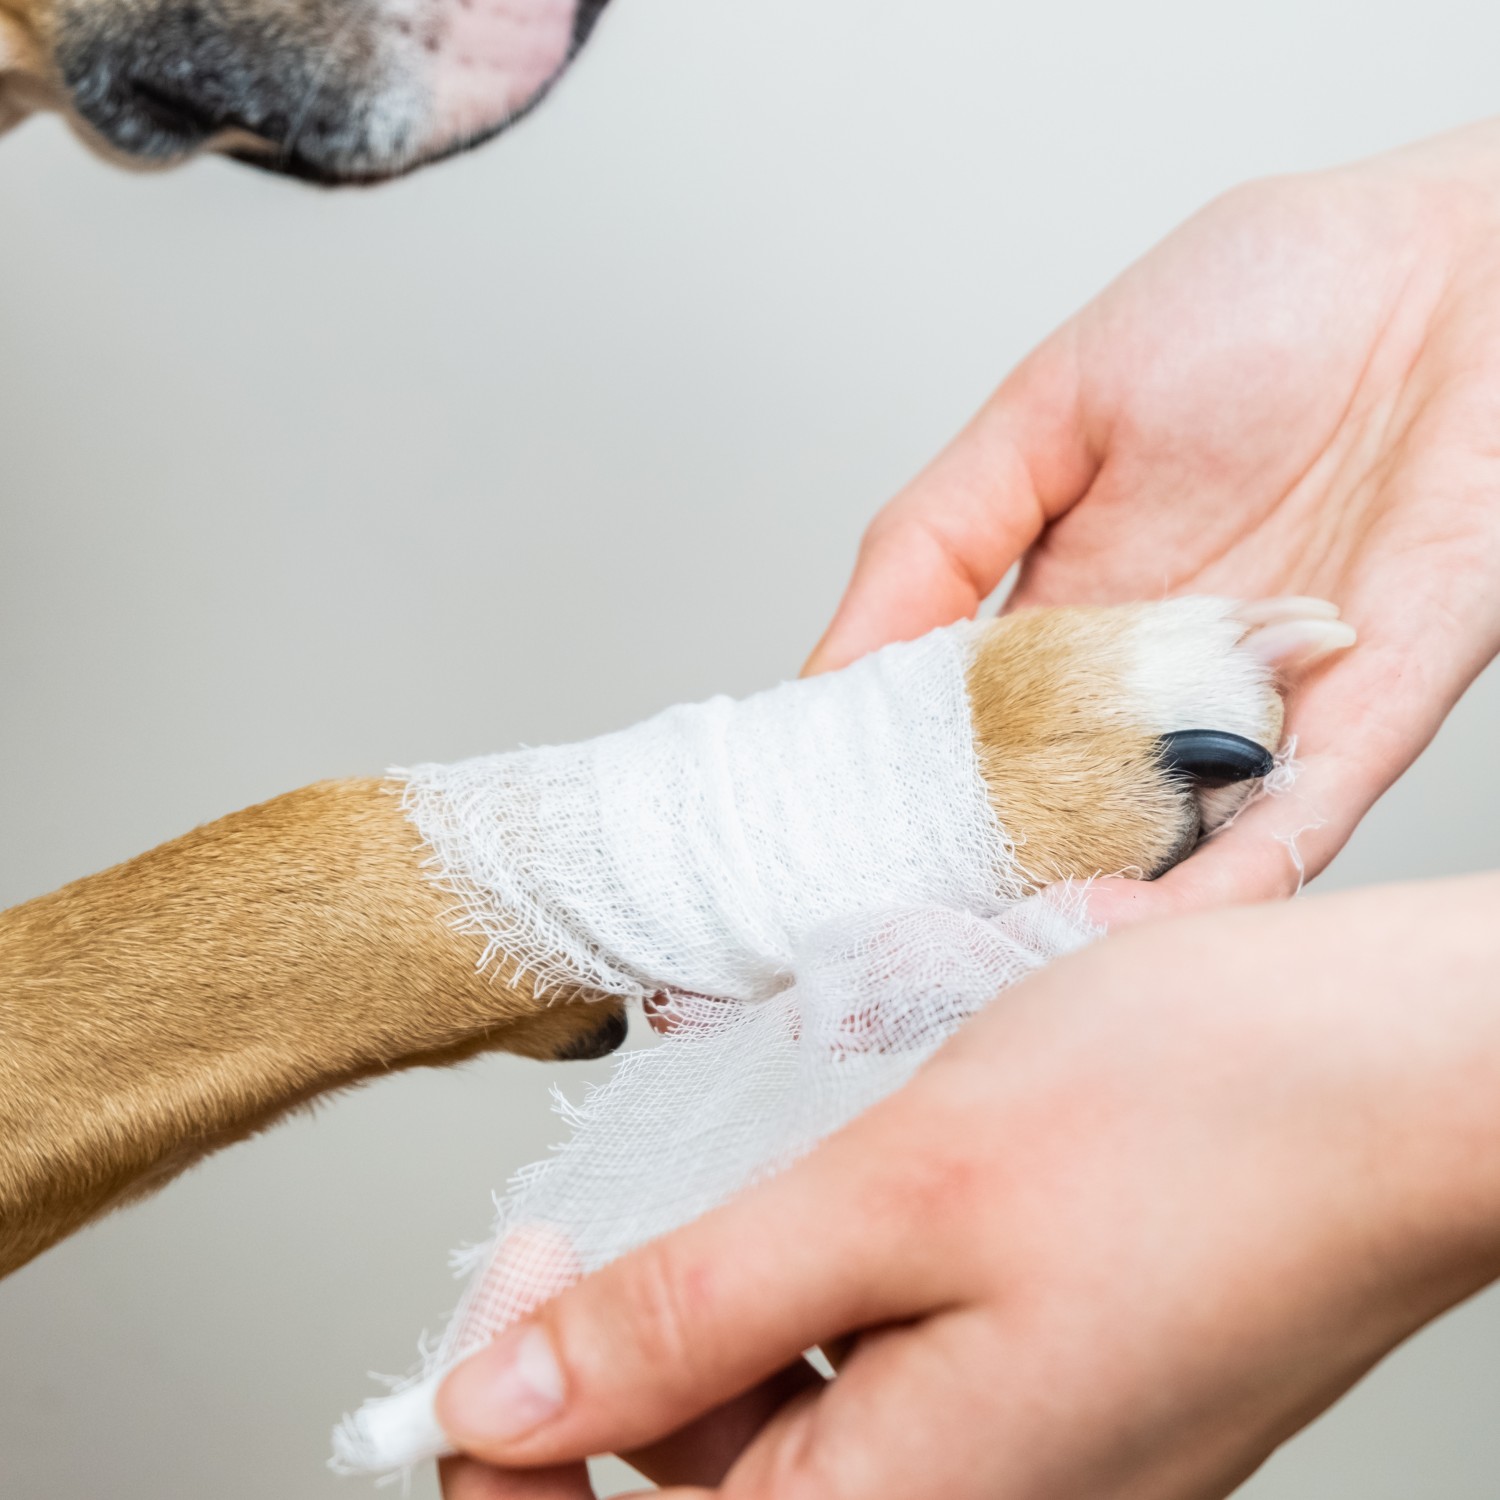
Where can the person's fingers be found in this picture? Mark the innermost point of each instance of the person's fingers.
(847, 1238)
(468, 1479)
(705, 1450)
(941, 547)
(900, 1425)
(896, 1425)
(701, 1453)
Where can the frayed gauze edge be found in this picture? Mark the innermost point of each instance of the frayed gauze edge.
(821, 859)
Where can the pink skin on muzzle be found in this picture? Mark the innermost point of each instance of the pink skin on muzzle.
(492, 58)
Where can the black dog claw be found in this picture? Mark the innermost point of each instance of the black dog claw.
(1212, 758)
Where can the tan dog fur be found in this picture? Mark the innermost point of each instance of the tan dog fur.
(1073, 778)
(176, 1003)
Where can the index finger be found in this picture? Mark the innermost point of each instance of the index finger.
(941, 547)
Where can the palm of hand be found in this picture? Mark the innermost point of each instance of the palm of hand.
(1295, 393)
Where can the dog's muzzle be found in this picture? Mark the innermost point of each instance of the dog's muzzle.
(327, 90)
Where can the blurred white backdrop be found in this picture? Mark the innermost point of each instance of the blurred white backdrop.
(296, 484)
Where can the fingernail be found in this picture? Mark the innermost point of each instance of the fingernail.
(502, 1392)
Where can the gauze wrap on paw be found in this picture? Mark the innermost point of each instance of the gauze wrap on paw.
(821, 859)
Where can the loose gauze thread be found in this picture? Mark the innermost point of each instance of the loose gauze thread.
(815, 878)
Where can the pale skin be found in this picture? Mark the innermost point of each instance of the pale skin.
(1135, 1227)
(1155, 1211)
(1296, 393)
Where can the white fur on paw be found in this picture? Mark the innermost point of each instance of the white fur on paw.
(1187, 670)
(1205, 663)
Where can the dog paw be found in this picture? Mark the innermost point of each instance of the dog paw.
(1113, 739)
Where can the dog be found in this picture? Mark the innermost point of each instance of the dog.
(160, 1010)
(330, 91)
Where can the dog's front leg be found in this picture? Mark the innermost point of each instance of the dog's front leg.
(166, 1007)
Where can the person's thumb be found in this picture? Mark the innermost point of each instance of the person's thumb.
(690, 1321)
(936, 551)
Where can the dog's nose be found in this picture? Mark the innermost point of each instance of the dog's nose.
(329, 90)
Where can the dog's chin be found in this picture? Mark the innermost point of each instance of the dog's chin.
(296, 167)
(153, 148)
(299, 166)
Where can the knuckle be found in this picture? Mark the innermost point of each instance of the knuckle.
(665, 1303)
(813, 1457)
(926, 1182)
(887, 525)
(934, 1190)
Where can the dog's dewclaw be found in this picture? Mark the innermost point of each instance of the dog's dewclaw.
(1293, 634)
(1296, 645)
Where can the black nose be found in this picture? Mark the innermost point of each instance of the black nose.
(1211, 758)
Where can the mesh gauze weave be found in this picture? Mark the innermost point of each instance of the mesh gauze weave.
(821, 860)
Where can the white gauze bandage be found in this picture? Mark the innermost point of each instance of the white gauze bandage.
(817, 881)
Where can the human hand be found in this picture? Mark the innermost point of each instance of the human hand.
(1132, 1228)
(1295, 393)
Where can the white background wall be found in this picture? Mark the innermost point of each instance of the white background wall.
(296, 485)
